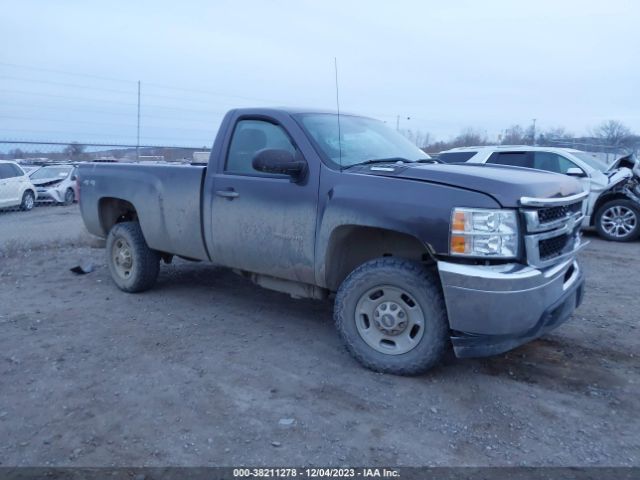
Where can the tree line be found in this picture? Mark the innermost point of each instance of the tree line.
(609, 135)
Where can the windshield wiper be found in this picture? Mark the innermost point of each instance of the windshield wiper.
(429, 160)
(381, 160)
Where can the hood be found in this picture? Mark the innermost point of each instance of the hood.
(47, 182)
(506, 184)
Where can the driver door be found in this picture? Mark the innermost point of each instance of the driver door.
(263, 223)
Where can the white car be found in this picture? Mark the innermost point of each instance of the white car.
(16, 189)
(56, 184)
(613, 206)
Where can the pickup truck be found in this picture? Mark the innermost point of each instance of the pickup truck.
(419, 256)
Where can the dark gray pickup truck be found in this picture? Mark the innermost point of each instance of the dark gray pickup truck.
(420, 255)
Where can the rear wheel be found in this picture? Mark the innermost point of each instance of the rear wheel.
(391, 316)
(618, 220)
(28, 201)
(133, 265)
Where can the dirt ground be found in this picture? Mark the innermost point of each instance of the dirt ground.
(207, 369)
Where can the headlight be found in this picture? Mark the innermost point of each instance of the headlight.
(479, 232)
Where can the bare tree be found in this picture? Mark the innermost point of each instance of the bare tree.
(552, 136)
(613, 133)
(74, 150)
(514, 135)
(421, 139)
(16, 153)
(469, 137)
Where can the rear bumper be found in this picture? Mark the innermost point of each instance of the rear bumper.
(492, 309)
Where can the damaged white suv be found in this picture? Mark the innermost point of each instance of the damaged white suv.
(613, 207)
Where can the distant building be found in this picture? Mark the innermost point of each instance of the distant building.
(201, 157)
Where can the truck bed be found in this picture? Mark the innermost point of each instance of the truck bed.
(167, 199)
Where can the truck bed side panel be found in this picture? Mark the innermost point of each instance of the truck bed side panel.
(165, 197)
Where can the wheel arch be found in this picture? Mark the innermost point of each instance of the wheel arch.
(350, 246)
(112, 210)
(604, 199)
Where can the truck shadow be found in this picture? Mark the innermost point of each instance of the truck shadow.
(551, 362)
(558, 364)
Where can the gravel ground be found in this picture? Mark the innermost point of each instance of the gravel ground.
(207, 369)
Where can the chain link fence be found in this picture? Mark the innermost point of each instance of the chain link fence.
(42, 153)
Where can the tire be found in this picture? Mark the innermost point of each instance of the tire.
(134, 267)
(69, 197)
(618, 220)
(390, 276)
(28, 201)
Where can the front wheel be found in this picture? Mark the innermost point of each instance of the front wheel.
(133, 265)
(28, 201)
(391, 316)
(618, 220)
(69, 197)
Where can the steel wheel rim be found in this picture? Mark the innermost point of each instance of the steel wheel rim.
(69, 197)
(389, 320)
(122, 257)
(618, 221)
(28, 202)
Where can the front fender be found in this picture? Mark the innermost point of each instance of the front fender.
(419, 209)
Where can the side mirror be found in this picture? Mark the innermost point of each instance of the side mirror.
(73, 178)
(283, 162)
(575, 172)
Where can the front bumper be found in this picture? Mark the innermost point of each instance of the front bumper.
(492, 309)
(49, 195)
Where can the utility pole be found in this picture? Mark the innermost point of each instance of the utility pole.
(138, 133)
(398, 122)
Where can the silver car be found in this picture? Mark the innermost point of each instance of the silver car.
(56, 184)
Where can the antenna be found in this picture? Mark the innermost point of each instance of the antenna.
(335, 65)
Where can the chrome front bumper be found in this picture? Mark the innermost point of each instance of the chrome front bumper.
(492, 309)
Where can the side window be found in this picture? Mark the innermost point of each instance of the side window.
(516, 159)
(8, 170)
(17, 171)
(250, 136)
(551, 162)
(454, 157)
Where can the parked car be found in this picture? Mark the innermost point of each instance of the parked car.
(56, 184)
(613, 207)
(16, 190)
(29, 169)
(421, 255)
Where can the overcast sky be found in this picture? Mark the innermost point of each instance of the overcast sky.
(447, 65)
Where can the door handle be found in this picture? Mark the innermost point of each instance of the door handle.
(230, 194)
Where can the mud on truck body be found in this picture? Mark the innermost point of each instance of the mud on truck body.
(419, 255)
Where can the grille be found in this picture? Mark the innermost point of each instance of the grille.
(553, 247)
(550, 214)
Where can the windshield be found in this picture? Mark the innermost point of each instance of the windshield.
(361, 139)
(51, 172)
(592, 160)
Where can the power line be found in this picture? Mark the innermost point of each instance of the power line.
(61, 72)
(60, 121)
(102, 111)
(151, 84)
(166, 107)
